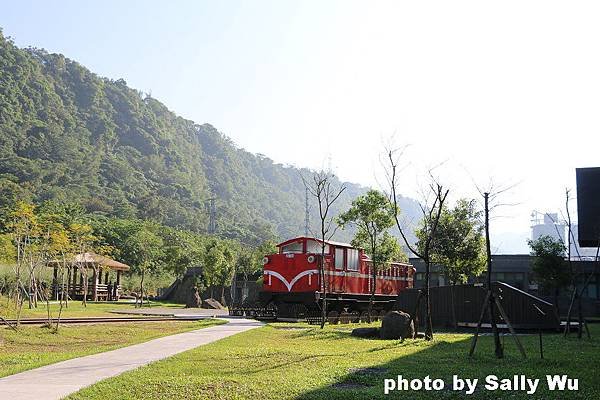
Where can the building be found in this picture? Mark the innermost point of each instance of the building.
(515, 270)
(549, 224)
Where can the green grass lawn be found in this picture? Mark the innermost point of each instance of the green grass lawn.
(75, 309)
(284, 361)
(34, 346)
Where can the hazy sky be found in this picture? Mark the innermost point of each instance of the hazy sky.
(508, 91)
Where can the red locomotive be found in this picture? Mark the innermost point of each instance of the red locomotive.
(292, 287)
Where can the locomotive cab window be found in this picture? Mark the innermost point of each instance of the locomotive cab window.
(339, 258)
(352, 259)
(312, 246)
(295, 247)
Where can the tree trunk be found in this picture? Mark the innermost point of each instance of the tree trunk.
(142, 289)
(428, 322)
(324, 285)
(223, 302)
(373, 290)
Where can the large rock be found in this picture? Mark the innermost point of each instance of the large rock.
(212, 304)
(365, 332)
(194, 300)
(396, 325)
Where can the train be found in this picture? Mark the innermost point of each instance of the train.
(292, 288)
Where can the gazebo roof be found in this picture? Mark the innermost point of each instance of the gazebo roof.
(93, 258)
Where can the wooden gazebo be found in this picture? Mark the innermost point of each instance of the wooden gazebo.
(100, 272)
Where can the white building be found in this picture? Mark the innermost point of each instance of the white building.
(549, 224)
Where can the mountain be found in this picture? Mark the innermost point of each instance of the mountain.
(67, 134)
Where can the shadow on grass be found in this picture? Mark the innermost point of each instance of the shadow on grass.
(444, 358)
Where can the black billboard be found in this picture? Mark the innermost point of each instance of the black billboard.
(588, 206)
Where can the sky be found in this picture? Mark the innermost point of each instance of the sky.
(484, 94)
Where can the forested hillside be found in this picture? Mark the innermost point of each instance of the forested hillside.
(69, 135)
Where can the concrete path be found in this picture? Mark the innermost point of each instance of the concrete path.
(58, 380)
(175, 312)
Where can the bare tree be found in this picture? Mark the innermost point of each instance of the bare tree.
(577, 290)
(491, 302)
(326, 192)
(432, 210)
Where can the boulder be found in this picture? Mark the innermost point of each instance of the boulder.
(212, 304)
(365, 332)
(193, 300)
(396, 325)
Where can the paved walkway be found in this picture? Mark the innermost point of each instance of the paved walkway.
(58, 380)
(175, 312)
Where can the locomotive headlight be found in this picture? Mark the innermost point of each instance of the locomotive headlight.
(265, 260)
(311, 259)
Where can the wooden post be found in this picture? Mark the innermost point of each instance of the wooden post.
(95, 285)
(55, 282)
(118, 283)
(73, 291)
(483, 309)
(510, 327)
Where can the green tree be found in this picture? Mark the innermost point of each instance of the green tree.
(219, 266)
(373, 215)
(145, 249)
(24, 229)
(458, 246)
(8, 252)
(82, 240)
(250, 261)
(549, 266)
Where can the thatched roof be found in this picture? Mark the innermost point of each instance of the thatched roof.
(96, 259)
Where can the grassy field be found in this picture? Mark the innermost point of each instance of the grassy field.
(283, 361)
(34, 346)
(74, 310)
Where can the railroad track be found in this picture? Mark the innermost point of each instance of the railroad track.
(98, 320)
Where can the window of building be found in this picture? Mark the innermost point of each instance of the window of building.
(339, 258)
(352, 259)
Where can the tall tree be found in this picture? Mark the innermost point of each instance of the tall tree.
(324, 190)
(250, 262)
(459, 245)
(145, 247)
(24, 230)
(373, 215)
(219, 266)
(549, 266)
(82, 239)
(431, 209)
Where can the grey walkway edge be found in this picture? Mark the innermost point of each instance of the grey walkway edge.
(55, 381)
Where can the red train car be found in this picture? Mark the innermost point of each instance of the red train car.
(292, 283)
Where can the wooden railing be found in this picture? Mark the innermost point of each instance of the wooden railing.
(101, 291)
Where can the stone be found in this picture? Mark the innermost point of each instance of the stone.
(365, 332)
(194, 300)
(212, 304)
(396, 325)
